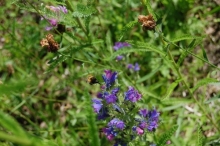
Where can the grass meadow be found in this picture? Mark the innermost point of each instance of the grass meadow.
(109, 72)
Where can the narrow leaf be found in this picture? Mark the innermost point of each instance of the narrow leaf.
(171, 88)
(93, 130)
(146, 77)
(126, 28)
(165, 137)
(11, 125)
(184, 37)
(149, 8)
(204, 82)
(204, 53)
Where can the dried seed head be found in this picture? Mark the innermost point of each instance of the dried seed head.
(50, 43)
(147, 22)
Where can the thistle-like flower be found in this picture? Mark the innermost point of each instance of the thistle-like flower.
(147, 22)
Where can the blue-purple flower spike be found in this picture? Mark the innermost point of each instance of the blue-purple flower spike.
(97, 105)
(132, 95)
(109, 78)
(136, 67)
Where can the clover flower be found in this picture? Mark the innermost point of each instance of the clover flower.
(109, 78)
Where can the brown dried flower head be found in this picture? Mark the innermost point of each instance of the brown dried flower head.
(49, 43)
(148, 22)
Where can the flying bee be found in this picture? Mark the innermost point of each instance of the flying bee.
(92, 80)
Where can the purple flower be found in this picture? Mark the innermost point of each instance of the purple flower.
(53, 22)
(115, 90)
(63, 9)
(111, 98)
(57, 9)
(143, 124)
(130, 66)
(119, 45)
(103, 114)
(132, 95)
(117, 123)
(119, 57)
(102, 95)
(136, 67)
(139, 131)
(152, 125)
(109, 132)
(153, 115)
(143, 112)
(109, 78)
(97, 105)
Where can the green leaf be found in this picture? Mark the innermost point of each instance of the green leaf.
(93, 130)
(146, 77)
(189, 48)
(204, 53)
(149, 8)
(84, 11)
(126, 28)
(200, 138)
(204, 82)
(184, 37)
(165, 137)
(171, 88)
(7, 89)
(147, 46)
(11, 125)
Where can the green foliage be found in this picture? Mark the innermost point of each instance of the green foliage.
(46, 101)
(200, 138)
(84, 11)
(166, 136)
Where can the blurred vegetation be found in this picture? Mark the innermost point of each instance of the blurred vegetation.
(45, 99)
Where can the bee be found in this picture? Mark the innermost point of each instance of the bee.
(92, 80)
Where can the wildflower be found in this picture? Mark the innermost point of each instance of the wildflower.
(103, 113)
(109, 132)
(143, 124)
(54, 21)
(136, 67)
(109, 78)
(138, 130)
(57, 9)
(50, 43)
(115, 90)
(143, 112)
(147, 22)
(129, 66)
(119, 45)
(119, 57)
(97, 105)
(111, 98)
(116, 123)
(132, 95)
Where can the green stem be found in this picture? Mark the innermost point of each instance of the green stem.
(189, 90)
(15, 139)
